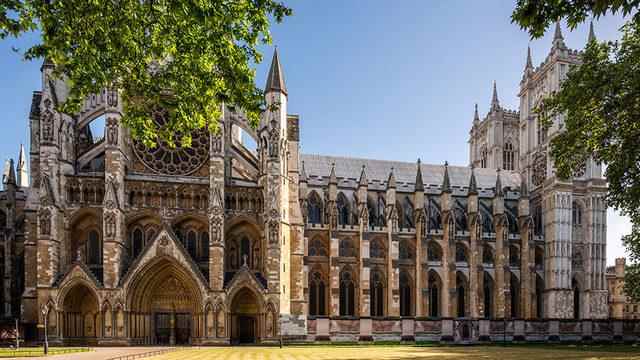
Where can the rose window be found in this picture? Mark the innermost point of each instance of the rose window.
(178, 160)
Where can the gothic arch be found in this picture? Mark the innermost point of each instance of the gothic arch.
(80, 311)
(244, 244)
(435, 293)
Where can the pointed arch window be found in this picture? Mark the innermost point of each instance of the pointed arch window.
(483, 157)
(317, 248)
(377, 293)
(460, 212)
(434, 294)
(137, 241)
(511, 210)
(376, 249)
(344, 210)
(204, 246)
(486, 211)
(347, 293)
(576, 298)
(191, 243)
(461, 295)
(487, 255)
(538, 220)
(508, 156)
(487, 289)
(406, 308)
(317, 290)
(405, 250)
(346, 248)
(434, 213)
(314, 209)
(381, 211)
(576, 214)
(539, 297)
(94, 248)
(434, 252)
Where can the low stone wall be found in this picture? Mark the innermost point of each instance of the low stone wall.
(469, 331)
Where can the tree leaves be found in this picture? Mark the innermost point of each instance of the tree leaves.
(188, 57)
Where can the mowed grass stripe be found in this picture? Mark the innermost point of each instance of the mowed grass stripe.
(526, 352)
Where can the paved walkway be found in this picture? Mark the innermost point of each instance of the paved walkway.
(100, 353)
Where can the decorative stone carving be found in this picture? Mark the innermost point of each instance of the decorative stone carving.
(110, 224)
(112, 131)
(216, 143)
(45, 222)
(46, 122)
(178, 160)
(274, 140)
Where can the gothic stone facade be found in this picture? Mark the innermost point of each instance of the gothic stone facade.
(218, 244)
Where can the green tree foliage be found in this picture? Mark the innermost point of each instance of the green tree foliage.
(600, 103)
(186, 57)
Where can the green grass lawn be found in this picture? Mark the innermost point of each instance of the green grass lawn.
(400, 352)
(37, 351)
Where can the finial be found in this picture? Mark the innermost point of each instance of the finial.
(303, 173)
(332, 177)
(446, 183)
(529, 62)
(592, 34)
(473, 187)
(391, 182)
(558, 32)
(495, 103)
(419, 182)
(363, 177)
(275, 79)
(476, 117)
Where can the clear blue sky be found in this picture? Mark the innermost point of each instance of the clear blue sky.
(379, 79)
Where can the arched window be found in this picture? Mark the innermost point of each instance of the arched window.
(314, 209)
(204, 246)
(346, 248)
(576, 212)
(434, 253)
(137, 242)
(487, 255)
(405, 294)
(344, 211)
(461, 293)
(460, 212)
(94, 248)
(376, 249)
(347, 293)
(483, 157)
(487, 289)
(576, 298)
(382, 221)
(317, 248)
(542, 131)
(511, 209)
(405, 213)
(317, 289)
(191, 243)
(433, 211)
(514, 256)
(461, 253)
(515, 296)
(486, 212)
(434, 294)
(508, 157)
(377, 293)
(405, 250)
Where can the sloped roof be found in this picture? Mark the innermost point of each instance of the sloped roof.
(318, 168)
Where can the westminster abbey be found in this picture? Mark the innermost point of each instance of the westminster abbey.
(108, 242)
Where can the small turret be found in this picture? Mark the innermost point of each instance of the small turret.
(419, 181)
(11, 177)
(499, 191)
(363, 178)
(22, 175)
(498, 197)
(495, 103)
(558, 39)
(473, 186)
(302, 189)
(529, 66)
(275, 79)
(476, 117)
(446, 183)
(391, 181)
(592, 34)
(333, 180)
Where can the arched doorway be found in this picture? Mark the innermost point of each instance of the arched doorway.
(245, 318)
(80, 316)
(166, 305)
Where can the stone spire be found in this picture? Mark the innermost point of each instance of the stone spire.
(529, 65)
(391, 182)
(495, 103)
(592, 34)
(275, 79)
(303, 174)
(363, 177)
(419, 182)
(476, 117)
(446, 183)
(11, 176)
(332, 177)
(22, 176)
(473, 186)
(499, 191)
(558, 39)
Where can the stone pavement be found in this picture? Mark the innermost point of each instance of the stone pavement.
(100, 353)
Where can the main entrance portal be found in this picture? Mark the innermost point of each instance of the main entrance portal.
(173, 328)
(245, 318)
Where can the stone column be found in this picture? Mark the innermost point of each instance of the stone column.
(334, 299)
(216, 210)
(113, 221)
